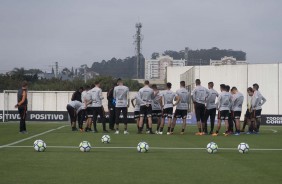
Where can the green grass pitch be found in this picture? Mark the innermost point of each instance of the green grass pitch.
(119, 162)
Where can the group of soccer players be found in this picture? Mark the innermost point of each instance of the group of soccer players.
(229, 106)
(150, 103)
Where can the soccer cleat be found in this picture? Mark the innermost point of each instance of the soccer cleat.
(181, 133)
(203, 133)
(237, 134)
(248, 133)
(198, 133)
(147, 131)
(156, 132)
(214, 134)
(117, 132)
(81, 130)
(160, 133)
(168, 133)
(125, 132)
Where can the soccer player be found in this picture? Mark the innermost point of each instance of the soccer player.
(156, 106)
(97, 97)
(146, 96)
(182, 107)
(230, 118)
(22, 106)
(111, 107)
(247, 118)
(72, 108)
(259, 100)
(237, 102)
(121, 96)
(224, 102)
(82, 112)
(210, 111)
(168, 97)
(136, 106)
(89, 110)
(77, 95)
(199, 95)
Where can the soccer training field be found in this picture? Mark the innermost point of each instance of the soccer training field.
(170, 159)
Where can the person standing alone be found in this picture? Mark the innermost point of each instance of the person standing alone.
(22, 106)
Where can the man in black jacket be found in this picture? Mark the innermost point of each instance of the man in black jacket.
(77, 95)
(111, 107)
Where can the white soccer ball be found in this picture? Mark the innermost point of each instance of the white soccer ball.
(106, 139)
(39, 145)
(85, 146)
(243, 147)
(212, 147)
(142, 147)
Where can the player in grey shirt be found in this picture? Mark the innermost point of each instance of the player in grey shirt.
(259, 100)
(224, 102)
(236, 109)
(168, 97)
(182, 107)
(156, 106)
(210, 107)
(98, 109)
(146, 95)
(199, 95)
(136, 106)
(121, 95)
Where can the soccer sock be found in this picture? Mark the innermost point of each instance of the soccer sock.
(172, 129)
(168, 129)
(125, 129)
(216, 132)
(150, 129)
(158, 127)
(161, 129)
(182, 130)
(200, 130)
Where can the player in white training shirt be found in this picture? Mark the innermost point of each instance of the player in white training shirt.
(121, 96)
(156, 106)
(168, 97)
(210, 111)
(236, 110)
(182, 107)
(257, 108)
(224, 102)
(199, 95)
(146, 95)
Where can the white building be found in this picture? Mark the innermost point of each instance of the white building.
(227, 61)
(268, 76)
(156, 68)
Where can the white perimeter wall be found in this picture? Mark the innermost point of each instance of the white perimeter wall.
(280, 88)
(244, 76)
(173, 75)
(47, 101)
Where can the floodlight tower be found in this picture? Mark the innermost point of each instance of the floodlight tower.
(138, 39)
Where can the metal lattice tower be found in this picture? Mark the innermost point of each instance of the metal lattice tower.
(138, 39)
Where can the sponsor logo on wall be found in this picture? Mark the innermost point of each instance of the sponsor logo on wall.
(36, 116)
(271, 119)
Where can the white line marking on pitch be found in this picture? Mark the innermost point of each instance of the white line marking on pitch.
(28, 138)
(274, 131)
(155, 148)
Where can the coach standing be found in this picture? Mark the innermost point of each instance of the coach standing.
(22, 106)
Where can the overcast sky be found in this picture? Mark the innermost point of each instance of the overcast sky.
(37, 33)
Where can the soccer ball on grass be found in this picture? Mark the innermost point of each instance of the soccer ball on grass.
(106, 139)
(142, 147)
(85, 146)
(39, 145)
(212, 147)
(243, 148)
